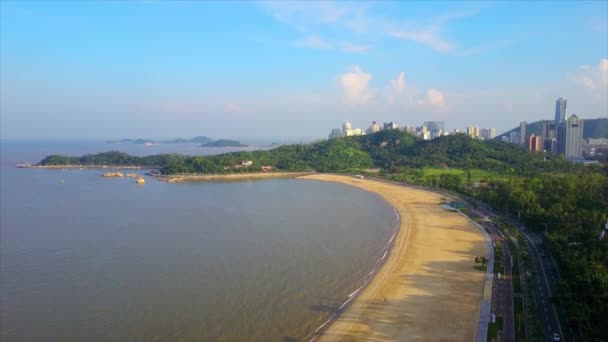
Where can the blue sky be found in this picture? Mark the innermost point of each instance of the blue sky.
(96, 69)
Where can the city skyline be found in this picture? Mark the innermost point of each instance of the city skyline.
(109, 70)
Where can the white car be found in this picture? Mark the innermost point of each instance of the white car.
(555, 337)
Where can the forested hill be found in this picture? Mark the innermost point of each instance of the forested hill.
(387, 150)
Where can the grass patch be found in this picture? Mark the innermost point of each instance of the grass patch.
(520, 318)
(493, 329)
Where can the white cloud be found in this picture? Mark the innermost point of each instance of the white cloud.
(396, 89)
(401, 94)
(355, 85)
(360, 21)
(429, 37)
(316, 42)
(398, 84)
(352, 48)
(593, 77)
(435, 98)
(312, 42)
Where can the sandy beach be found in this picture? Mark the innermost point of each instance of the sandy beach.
(230, 176)
(428, 289)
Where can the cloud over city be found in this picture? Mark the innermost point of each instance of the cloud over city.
(355, 86)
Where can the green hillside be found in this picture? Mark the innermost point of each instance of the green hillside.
(388, 150)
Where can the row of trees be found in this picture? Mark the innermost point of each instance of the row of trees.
(571, 209)
(112, 158)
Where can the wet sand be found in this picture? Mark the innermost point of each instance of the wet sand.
(428, 289)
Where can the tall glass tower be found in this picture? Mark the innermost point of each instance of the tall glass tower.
(561, 108)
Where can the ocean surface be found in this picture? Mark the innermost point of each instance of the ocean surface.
(94, 258)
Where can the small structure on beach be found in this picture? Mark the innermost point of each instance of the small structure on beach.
(244, 163)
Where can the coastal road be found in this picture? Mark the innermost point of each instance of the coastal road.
(502, 291)
(544, 274)
(544, 280)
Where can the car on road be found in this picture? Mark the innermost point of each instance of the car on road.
(555, 337)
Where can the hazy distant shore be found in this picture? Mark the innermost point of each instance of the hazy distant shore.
(427, 286)
(115, 167)
(230, 176)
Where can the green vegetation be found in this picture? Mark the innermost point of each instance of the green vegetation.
(493, 328)
(483, 261)
(113, 158)
(224, 143)
(566, 201)
(397, 153)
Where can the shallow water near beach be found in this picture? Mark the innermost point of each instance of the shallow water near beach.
(94, 258)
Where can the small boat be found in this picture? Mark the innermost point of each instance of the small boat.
(113, 174)
(141, 180)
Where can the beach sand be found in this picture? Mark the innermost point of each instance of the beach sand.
(428, 289)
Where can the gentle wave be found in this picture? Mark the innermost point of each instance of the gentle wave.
(366, 280)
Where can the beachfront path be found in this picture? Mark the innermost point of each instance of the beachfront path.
(428, 289)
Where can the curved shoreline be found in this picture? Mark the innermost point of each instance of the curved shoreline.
(229, 176)
(364, 283)
(427, 287)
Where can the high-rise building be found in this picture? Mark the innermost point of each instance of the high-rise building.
(522, 133)
(514, 138)
(373, 128)
(409, 129)
(570, 138)
(551, 145)
(548, 129)
(561, 110)
(535, 143)
(390, 125)
(434, 126)
(335, 133)
(487, 133)
(473, 131)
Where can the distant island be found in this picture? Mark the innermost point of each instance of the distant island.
(224, 143)
(198, 140)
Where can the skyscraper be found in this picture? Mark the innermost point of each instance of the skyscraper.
(522, 133)
(570, 138)
(561, 110)
(548, 129)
